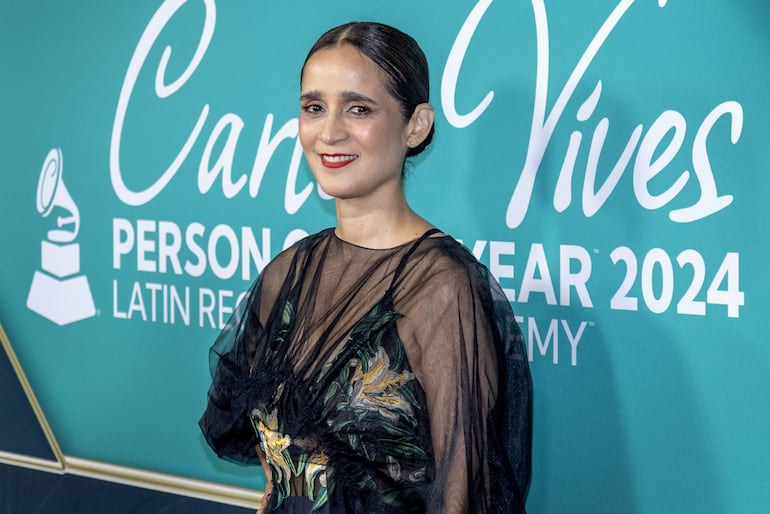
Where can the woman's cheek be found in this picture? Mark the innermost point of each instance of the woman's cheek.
(305, 137)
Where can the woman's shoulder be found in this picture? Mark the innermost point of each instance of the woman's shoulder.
(446, 257)
(278, 269)
(442, 270)
(297, 250)
(453, 267)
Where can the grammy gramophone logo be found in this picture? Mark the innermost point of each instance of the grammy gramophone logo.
(59, 293)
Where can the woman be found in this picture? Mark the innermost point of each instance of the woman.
(376, 365)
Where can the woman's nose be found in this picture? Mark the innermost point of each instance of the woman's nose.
(333, 129)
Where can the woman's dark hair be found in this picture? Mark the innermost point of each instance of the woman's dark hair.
(396, 53)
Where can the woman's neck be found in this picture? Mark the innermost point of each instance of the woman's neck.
(378, 226)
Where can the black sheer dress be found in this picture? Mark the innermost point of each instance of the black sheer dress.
(376, 381)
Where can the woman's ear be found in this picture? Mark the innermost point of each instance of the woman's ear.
(419, 125)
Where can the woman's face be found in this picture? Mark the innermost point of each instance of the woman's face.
(351, 128)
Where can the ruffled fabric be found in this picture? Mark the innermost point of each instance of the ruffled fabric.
(376, 381)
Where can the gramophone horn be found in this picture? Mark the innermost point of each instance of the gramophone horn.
(51, 192)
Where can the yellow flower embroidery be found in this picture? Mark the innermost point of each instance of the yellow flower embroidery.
(376, 388)
(273, 443)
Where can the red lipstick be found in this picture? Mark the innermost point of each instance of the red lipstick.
(337, 160)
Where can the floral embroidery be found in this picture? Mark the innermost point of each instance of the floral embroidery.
(372, 393)
(374, 387)
(275, 445)
(394, 468)
(315, 469)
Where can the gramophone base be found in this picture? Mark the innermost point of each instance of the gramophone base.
(61, 301)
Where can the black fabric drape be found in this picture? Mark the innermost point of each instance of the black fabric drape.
(378, 380)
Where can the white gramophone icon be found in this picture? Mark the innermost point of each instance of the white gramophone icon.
(58, 293)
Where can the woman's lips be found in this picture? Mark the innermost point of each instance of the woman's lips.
(336, 160)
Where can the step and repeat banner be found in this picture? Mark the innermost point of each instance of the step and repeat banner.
(608, 161)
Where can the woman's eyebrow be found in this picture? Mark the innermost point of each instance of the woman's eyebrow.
(347, 96)
(311, 96)
(352, 96)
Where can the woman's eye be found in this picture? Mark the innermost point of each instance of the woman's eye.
(359, 110)
(312, 109)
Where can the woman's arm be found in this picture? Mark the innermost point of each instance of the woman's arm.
(472, 366)
(268, 482)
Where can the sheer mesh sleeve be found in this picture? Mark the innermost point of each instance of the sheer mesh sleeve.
(469, 357)
(226, 423)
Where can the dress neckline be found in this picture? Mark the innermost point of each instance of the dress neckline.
(428, 233)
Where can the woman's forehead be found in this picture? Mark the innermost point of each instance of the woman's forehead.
(340, 67)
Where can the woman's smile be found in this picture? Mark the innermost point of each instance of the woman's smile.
(337, 160)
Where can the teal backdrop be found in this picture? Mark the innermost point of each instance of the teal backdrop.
(608, 160)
